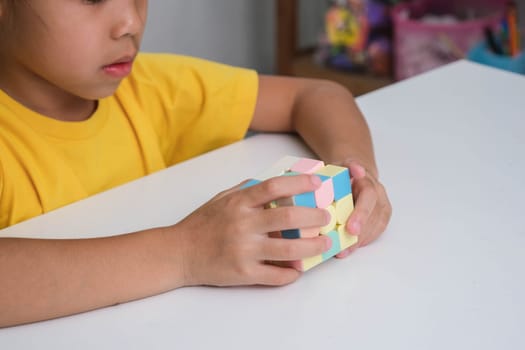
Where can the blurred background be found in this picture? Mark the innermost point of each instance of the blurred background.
(363, 44)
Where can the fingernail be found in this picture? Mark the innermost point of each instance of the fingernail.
(316, 180)
(358, 172)
(354, 228)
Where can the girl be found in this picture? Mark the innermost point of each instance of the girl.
(81, 111)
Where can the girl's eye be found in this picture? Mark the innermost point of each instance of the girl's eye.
(93, 2)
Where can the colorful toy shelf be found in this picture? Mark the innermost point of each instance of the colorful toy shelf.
(292, 61)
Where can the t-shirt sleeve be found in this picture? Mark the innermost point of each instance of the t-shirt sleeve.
(195, 105)
(1, 180)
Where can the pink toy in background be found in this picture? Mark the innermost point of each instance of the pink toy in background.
(431, 33)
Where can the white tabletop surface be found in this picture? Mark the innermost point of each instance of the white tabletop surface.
(447, 274)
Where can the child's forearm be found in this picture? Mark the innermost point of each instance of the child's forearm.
(328, 119)
(44, 279)
(324, 113)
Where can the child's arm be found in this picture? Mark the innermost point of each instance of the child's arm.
(225, 242)
(327, 118)
(43, 279)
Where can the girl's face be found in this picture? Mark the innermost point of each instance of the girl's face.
(82, 48)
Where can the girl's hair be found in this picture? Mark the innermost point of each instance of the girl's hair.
(9, 9)
(11, 5)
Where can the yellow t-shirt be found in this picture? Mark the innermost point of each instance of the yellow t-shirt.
(169, 109)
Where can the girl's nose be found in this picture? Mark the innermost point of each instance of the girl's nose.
(129, 19)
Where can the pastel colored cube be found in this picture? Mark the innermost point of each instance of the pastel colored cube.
(308, 263)
(305, 264)
(336, 246)
(271, 205)
(251, 183)
(343, 209)
(345, 239)
(280, 167)
(301, 233)
(310, 232)
(340, 177)
(291, 234)
(306, 199)
(324, 196)
(334, 195)
(333, 220)
(302, 200)
(307, 166)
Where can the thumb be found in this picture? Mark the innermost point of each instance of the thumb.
(357, 171)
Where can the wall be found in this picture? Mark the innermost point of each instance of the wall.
(238, 32)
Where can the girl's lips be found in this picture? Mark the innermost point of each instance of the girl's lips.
(119, 69)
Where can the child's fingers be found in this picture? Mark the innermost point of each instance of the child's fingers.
(366, 201)
(370, 233)
(343, 254)
(377, 224)
(356, 170)
(286, 218)
(378, 220)
(280, 187)
(275, 249)
(272, 275)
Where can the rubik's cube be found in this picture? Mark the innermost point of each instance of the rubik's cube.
(334, 195)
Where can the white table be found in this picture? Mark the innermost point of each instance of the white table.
(447, 274)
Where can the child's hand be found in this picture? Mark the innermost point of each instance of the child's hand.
(372, 210)
(226, 241)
